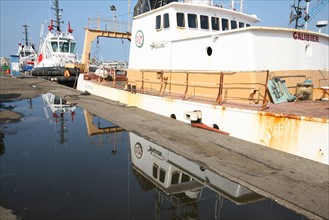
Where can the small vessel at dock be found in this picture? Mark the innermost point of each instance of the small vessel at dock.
(26, 52)
(266, 85)
(56, 50)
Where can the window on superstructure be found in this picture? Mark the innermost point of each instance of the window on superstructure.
(234, 25)
(215, 23)
(57, 100)
(241, 24)
(155, 171)
(54, 46)
(185, 178)
(224, 24)
(248, 25)
(72, 48)
(158, 22)
(175, 178)
(192, 20)
(204, 22)
(64, 47)
(162, 175)
(166, 23)
(180, 19)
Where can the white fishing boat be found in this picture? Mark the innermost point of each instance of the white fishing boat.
(26, 52)
(198, 62)
(56, 50)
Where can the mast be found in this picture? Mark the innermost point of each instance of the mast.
(298, 15)
(25, 26)
(58, 16)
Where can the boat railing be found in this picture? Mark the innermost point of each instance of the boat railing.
(230, 91)
(107, 25)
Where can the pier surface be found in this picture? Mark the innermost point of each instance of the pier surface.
(299, 184)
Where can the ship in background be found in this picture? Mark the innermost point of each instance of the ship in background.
(195, 61)
(57, 49)
(26, 52)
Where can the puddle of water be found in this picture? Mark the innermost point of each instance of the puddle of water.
(74, 165)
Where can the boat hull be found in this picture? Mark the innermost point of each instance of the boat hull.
(299, 135)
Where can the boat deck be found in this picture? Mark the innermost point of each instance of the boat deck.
(303, 108)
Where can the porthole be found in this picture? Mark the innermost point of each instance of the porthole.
(215, 126)
(209, 51)
(173, 116)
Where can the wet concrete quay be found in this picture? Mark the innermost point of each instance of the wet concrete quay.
(296, 183)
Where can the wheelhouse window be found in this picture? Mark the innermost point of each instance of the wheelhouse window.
(234, 25)
(54, 46)
(248, 25)
(175, 178)
(158, 22)
(224, 24)
(180, 18)
(192, 20)
(241, 25)
(166, 23)
(215, 23)
(72, 48)
(64, 47)
(204, 22)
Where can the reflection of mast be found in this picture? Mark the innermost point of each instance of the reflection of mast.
(62, 130)
(2, 143)
(58, 106)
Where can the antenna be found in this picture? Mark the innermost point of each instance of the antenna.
(128, 16)
(321, 24)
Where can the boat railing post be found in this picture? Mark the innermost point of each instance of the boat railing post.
(186, 87)
(264, 105)
(219, 98)
(142, 87)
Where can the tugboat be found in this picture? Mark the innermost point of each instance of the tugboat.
(56, 50)
(26, 53)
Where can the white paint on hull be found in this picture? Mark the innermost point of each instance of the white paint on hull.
(301, 137)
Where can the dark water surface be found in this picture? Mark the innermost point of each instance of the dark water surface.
(75, 167)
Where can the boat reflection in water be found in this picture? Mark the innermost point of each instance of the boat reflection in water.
(181, 182)
(100, 128)
(58, 107)
(176, 181)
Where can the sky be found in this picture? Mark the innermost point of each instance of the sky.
(34, 13)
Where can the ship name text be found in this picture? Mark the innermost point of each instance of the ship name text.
(305, 37)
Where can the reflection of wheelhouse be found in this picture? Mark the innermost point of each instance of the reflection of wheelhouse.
(174, 174)
(57, 104)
